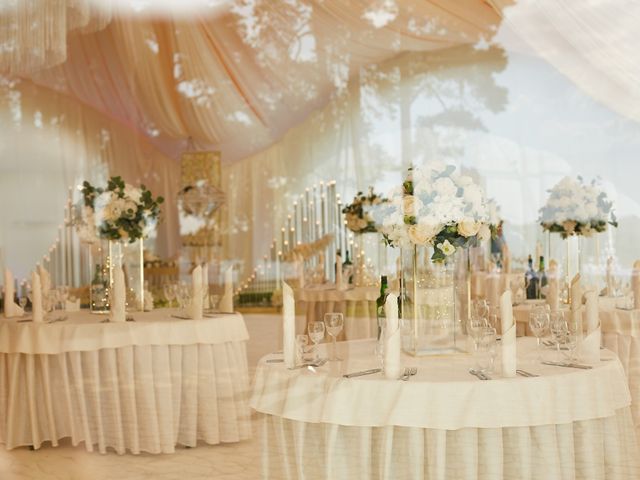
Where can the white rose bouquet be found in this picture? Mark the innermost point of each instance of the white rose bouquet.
(117, 212)
(436, 206)
(575, 208)
(358, 214)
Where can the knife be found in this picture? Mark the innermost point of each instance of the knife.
(569, 365)
(364, 372)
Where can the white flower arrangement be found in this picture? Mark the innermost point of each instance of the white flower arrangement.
(437, 206)
(117, 212)
(575, 208)
(358, 214)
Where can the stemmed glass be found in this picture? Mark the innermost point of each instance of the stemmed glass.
(558, 328)
(214, 299)
(316, 333)
(476, 325)
(538, 323)
(333, 324)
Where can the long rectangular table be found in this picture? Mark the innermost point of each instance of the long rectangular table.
(445, 423)
(141, 386)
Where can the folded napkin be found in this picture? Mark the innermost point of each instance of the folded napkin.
(508, 336)
(36, 298)
(553, 292)
(288, 326)
(11, 309)
(73, 305)
(226, 303)
(590, 348)
(205, 286)
(493, 289)
(45, 279)
(118, 298)
(196, 294)
(339, 283)
(635, 284)
(392, 341)
(576, 307)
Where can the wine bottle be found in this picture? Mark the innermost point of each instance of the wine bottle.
(542, 276)
(381, 314)
(531, 280)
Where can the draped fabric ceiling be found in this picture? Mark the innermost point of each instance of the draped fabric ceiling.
(238, 80)
(235, 81)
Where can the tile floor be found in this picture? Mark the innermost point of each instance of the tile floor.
(240, 461)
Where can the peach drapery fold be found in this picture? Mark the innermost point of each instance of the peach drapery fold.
(83, 140)
(33, 33)
(238, 81)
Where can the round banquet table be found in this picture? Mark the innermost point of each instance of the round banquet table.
(444, 423)
(357, 304)
(144, 385)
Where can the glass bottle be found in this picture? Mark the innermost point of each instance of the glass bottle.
(542, 276)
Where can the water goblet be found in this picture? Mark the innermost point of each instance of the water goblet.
(333, 324)
(558, 328)
(538, 323)
(316, 333)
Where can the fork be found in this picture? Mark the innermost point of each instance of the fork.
(408, 373)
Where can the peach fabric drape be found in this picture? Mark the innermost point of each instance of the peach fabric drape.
(33, 33)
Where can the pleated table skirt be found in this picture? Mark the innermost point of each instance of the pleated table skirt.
(600, 449)
(135, 398)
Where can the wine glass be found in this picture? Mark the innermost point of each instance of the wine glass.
(316, 333)
(475, 326)
(571, 340)
(558, 328)
(538, 323)
(333, 324)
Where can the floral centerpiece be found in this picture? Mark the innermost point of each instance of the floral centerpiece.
(117, 212)
(576, 208)
(437, 206)
(115, 219)
(357, 214)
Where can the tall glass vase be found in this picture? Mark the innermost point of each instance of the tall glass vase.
(99, 265)
(428, 311)
(129, 256)
(107, 255)
(573, 256)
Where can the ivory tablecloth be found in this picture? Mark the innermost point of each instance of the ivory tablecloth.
(139, 386)
(444, 423)
(357, 304)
